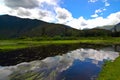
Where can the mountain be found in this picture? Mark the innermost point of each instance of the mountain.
(15, 27)
(117, 27)
(107, 27)
(111, 27)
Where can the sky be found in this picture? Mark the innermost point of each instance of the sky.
(78, 14)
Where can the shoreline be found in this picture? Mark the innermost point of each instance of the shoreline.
(6, 45)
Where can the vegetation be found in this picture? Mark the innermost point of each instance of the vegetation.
(32, 42)
(17, 33)
(110, 71)
(12, 27)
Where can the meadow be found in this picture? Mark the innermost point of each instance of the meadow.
(13, 44)
(110, 70)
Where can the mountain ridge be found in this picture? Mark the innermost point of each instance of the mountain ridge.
(15, 27)
(111, 27)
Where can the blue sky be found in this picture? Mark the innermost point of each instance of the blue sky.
(75, 13)
(78, 8)
(86, 8)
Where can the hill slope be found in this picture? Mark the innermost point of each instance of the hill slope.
(111, 27)
(14, 27)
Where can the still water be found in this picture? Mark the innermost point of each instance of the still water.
(65, 63)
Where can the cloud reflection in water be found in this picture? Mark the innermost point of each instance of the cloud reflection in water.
(51, 67)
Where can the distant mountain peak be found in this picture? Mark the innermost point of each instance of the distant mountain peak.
(111, 27)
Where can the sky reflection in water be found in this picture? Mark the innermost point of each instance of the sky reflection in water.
(80, 64)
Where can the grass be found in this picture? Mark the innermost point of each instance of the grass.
(111, 71)
(21, 43)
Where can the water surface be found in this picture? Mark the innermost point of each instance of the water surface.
(71, 64)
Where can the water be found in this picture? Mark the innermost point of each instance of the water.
(70, 64)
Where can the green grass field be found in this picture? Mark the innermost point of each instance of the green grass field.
(24, 43)
(111, 71)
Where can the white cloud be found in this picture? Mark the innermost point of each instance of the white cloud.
(56, 64)
(77, 23)
(112, 19)
(21, 3)
(92, 1)
(94, 15)
(98, 11)
(23, 12)
(63, 15)
(4, 9)
(106, 3)
(51, 2)
(50, 11)
(34, 9)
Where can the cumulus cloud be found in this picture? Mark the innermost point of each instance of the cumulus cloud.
(92, 1)
(63, 15)
(51, 11)
(51, 2)
(23, 12)
(43, 13)
(106, 3)
(77, 23)
(34, 9)
(83, 24)
(94, 15)
(112, 19)
(21, 3)
(4, 9)
(98, 11)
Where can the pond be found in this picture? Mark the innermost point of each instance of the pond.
(56, 62)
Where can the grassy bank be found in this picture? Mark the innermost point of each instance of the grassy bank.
(24, 43)
(111, 71)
